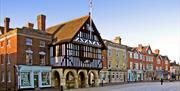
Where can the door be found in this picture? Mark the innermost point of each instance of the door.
(36, 80)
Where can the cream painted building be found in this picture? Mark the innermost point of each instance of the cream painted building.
(116, 61)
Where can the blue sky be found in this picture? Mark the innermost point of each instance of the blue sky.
(154, 22)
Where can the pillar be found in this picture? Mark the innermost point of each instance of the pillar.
(86, 81)
(76, 82)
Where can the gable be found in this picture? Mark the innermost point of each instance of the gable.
(148, 50)
(88, 35)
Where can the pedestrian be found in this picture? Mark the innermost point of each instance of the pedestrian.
(161, 81)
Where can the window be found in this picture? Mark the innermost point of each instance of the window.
(42, 44)
(109, 52)
(130, 54)
(117, 53)
(45, 78)
(51, 52)
(8, 42)
(2, 59)
(2, 76)
(166, 67)
(25, 79)
(131, 65)
(149, 51)
(135, 56)
(141, 56)
(166, 62)
(8, 59)
(42, 59)
(9, 76)
(110, 64)
(141, 66)
(136, 66)
(157, 68)
(1, 44)
(29, 57)
(28, 41)
(158, 61)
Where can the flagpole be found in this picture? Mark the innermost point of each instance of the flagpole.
(90, 16)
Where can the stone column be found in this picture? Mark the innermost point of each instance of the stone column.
(96, 82)
(76, 82)
(86, 81)
(63, 82)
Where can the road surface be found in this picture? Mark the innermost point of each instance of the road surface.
(145, 86)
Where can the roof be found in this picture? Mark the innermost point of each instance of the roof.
(64, 32)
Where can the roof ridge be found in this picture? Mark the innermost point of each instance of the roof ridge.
(69, 21)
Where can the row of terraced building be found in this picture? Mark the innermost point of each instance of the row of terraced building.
(73, 55)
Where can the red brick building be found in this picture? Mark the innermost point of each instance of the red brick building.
(24, 56)
(136, 65)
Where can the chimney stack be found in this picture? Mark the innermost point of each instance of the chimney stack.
(41, 22)
(6, 24)
(117, 40)
(157, 51)
(29, 25)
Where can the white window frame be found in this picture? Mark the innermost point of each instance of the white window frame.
(42, 43)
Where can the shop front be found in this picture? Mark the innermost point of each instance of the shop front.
(34, 76)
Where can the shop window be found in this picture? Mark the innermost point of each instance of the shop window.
(45, 78)
(25, 79)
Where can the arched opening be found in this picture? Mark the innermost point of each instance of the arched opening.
(81, 80)
(56, 79)
(91, 80)
(70, 80)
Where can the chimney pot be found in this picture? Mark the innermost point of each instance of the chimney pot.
(41, 22)
(6, 24)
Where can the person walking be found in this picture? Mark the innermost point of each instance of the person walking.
(161, 81)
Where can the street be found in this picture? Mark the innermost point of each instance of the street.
(145, 86)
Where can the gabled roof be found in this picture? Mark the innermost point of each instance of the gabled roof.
(66, 31)
(165, 57)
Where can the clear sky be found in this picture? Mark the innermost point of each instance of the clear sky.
(154, 22)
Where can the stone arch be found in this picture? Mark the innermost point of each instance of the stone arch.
(93, 78)
(56, 79)
(82, 78)
(70, 76)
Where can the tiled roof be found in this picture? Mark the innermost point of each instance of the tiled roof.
(66, 31)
